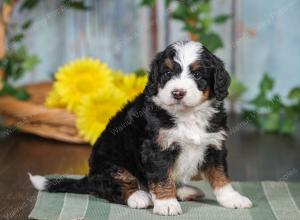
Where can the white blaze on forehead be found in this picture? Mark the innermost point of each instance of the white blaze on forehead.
(187, 52)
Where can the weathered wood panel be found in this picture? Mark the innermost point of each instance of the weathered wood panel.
(118, 32)
(269, 41)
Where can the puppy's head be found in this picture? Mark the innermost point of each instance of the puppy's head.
(185, 75)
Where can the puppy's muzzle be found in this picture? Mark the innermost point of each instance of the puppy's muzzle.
(178, 94)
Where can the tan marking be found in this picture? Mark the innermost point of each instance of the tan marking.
(169, 63)
(216, 176)
(195, 66)
(129, 183)
(194, 197)
(164, 190)
(197, 177)
(205, 96)
(162, 139)
(197, 196)
(158, 87)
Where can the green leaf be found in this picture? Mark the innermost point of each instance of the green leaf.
(26, 24)
(280, 117)
(206, 24)
(190, 28)
(21, 53)
(168, 2)
(212, 41)
(140, 72)
(270, 122)
(18, 73)
(276, 103)
(6, 89)
(260, 101)
(288, 126)
(17, 61)
(21, 94)
(296, 108)
(294, 94)
(147, 2)
(181, 12)
(8, 67)
(237, 89)
(3, 62)
(18, 93)
(28, 4)
(250, 116)
(78, 5)
(204, 7)
(17, 38)
(221, 19)
(266, 83)
(30, 63)
(9, 2)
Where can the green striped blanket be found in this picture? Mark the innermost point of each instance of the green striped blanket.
(272, 200)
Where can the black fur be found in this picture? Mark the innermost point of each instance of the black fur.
(129, 141)
(220, 79)
(132, 148)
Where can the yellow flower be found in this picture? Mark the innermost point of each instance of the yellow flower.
(95, 112)
(94, 93)
(131, 84)
(53, 100)
(83, 77)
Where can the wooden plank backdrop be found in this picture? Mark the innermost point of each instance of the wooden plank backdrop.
(268, 41)
(265, 37)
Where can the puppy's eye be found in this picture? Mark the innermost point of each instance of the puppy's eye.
(197, 75)
(167, 73)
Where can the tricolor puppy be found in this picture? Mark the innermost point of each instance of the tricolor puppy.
(174, 130)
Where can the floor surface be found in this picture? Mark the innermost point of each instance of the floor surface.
(252, 157)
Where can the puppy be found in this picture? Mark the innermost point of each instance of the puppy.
(174, 130)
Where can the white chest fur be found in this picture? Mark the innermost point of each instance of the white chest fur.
(191, 134)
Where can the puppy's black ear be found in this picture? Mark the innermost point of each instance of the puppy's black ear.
(221, 82)
(152, 85)
(221, 78)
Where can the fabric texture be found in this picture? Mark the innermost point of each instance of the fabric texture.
(272, 200)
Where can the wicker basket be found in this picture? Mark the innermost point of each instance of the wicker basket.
(35, 118)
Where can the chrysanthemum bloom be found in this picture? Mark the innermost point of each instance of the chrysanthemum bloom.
(95, 111)
(83, 77)
(54, 100)
(131, 84)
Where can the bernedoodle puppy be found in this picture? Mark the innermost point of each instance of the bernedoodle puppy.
(174, 130)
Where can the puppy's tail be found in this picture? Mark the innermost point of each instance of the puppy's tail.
(63, 184)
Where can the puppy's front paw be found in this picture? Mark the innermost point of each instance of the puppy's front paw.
(167, 207)
(139, 200)
(235, 201)
(229, 198)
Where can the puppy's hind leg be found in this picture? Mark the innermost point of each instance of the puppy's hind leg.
(131, 194)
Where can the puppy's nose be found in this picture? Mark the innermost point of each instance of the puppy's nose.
(178, 94)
